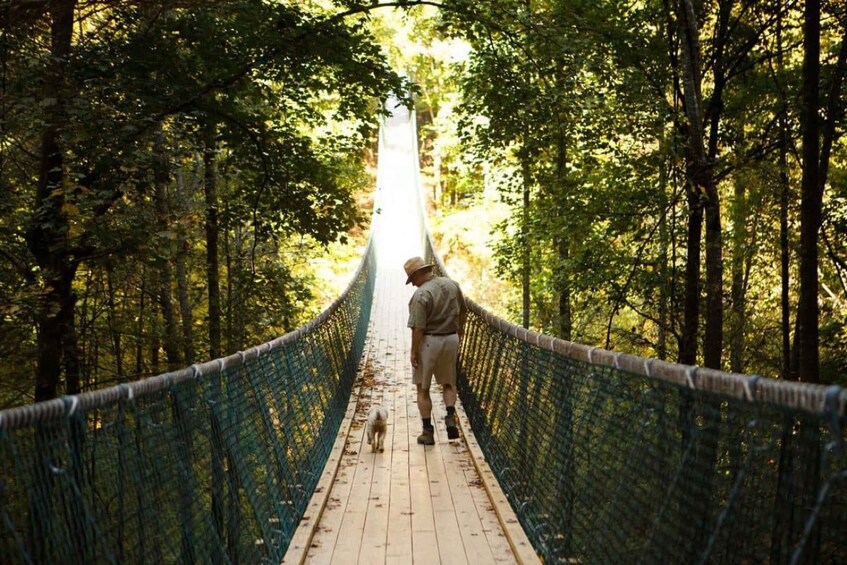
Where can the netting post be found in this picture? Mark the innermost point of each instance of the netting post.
(141, 522)
(120, 424)
(233, 524)
(564, 432)
(75, 511)
(183, 448)
(40, 498)
(217, 456)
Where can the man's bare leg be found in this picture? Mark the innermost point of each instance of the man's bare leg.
(427, 437)
(450, 421)
(425, 402)
(449, 394)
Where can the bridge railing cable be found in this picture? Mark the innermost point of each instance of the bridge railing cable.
(611, 458)
(214, 463)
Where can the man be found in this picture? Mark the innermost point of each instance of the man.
(436, 316)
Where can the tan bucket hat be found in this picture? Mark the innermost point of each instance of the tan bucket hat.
(414, 265)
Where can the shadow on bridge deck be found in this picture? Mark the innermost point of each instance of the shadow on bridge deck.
(410, 504)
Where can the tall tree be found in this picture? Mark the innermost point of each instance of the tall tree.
(811, 196)
(166, 251)
(702, 178)
(784, 198)
(211, 225)
(48, 236)
(817, 140)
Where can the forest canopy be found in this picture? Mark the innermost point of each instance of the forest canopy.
(673, 173)
(161, 164)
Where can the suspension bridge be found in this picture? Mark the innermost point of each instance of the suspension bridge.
(568, 454)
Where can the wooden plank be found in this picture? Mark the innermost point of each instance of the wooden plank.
(517, 538)
(494, 535)
(424, 540)
(471, 527)
(343, 490)
(303, 535)
(399, 531)
(450, 540)
(375, 529)
(350, 532)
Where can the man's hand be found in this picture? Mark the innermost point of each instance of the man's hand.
(415, 358)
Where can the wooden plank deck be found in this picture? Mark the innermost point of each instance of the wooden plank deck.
(411, 503)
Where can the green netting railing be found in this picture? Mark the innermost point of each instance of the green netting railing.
(610, 458)
(211, 464)
(615, 459)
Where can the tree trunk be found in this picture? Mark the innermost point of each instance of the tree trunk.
(703, 182)
(713, 338)
(70, 349)
(117, 347)
(171, 337)
(48, 236)
(704, 454)
(139, 328)
(784, 255)
(229, 290)
(184, 301)
(664, 270)
(807, 357)
(162, 177)
(817, 146)
(834, 109)
(562, 240)
(155, 327)
(236, 289)
(784, 196)
(88, 337)
(525, 251)
(183, 298)
(739, 245)
(691, 292)
(210, 189)
(687, 339)
(565, 312)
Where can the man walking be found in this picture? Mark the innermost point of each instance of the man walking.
(437, 314)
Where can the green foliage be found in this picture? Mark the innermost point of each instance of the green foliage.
(291, 92)
(580, 104)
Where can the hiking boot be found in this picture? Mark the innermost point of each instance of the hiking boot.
(427, 437)
(452, 428)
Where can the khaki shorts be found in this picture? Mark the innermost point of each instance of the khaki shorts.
(438, 357)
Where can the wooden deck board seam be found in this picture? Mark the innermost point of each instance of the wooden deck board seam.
(301, 541)
(517, 538)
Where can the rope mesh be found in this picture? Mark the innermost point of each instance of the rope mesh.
(212, 464)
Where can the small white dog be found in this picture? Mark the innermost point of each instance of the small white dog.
(377, 423)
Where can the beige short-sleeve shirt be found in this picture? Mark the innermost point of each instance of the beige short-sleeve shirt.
(437, 306)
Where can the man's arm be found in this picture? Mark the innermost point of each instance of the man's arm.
(463, 312)
(417, 338)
